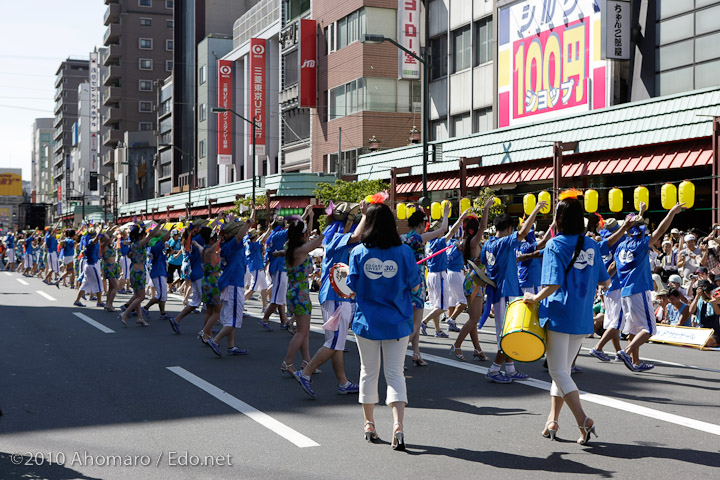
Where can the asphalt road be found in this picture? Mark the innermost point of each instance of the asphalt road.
(143, 403)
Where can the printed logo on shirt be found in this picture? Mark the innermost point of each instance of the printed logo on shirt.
(585, 258)
(375, 268)
(490, 258)
(626, 256)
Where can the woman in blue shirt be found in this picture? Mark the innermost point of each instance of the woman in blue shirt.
(383, 273)
(572, 269)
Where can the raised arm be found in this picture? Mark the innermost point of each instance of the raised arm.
(548, 235)
(456, 226)
(527, 225)
(665, 224)
(357, 234)
(437, 233)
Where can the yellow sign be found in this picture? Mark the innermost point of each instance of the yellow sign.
(10, 184)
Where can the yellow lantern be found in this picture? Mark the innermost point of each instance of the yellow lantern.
(591, 200)
(547, 198)
(410, 210)
(668, 196)
(401, 211)
(465, 203)
(641, 195)
(435, 211)
(686, 194)
(448, 203)
(497, 201)
(529, 202)
(615, 200)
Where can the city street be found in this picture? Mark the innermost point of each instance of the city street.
(83, 397)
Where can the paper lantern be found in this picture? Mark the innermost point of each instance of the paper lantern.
(615, 200)
(442, 205)
(668, 196)
(591, 200)
(547, 198)
(465, 203)
(641, 195)
(529, 202)
(686, 194)
(401, 209)
(435, 211)
(410, 210)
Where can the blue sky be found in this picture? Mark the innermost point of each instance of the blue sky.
(35, 36)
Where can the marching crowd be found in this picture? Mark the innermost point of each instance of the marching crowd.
(620, 279)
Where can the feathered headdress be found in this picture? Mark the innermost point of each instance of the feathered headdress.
(379, 197)
(571, 193)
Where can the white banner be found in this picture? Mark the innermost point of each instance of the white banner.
(94, 93)
(694, 337)
(409, 37)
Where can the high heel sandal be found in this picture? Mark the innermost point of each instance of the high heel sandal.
(586, 432)
(454, 351)
(550, 433)
(370, 434)
(398, 441)
(480, 355)
(418, 361)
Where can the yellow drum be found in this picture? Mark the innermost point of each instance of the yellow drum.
(523, 339)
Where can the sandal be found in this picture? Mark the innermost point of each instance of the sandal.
(586, 432)
(110, 309)
(549, 432)
(305, 364)
(289, 369)
(457, 352)
(398, 441)
(418, 360)
(480, 355)
(370, 434)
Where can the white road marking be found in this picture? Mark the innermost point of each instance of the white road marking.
(22, 281)
(263, 419)
(43, 294)
(92, 322)
(8, 274)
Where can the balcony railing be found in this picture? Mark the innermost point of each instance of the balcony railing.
(112, 14)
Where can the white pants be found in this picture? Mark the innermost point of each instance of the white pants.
(126, 265)
(614, 317)
(279, 288)
(639, 315)
(258, 281)
(196, 298)
(53, 262)
(393, 352)
(561, 351)
(161, 288)
(499, 309)
(92, 282)
(10, 254)
(336, 340)
(233, 303)
(456, 291)
(532, 290)
(28, 261)
(68, 260)
(437, 285)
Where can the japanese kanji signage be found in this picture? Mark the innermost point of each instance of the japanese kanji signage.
(257, 91)
(94, 77)
(224, 140)
(549, 60)
(616, 30)
(409, 37)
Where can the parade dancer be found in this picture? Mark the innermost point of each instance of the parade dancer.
(174, 254)
(92, 282)
(197, 238)
(53, 265)
(137, 255)
(67, 248)
(125, 262)
(257, 278)
(158, 274)
(498, 255)
(455, 281)
(10, 252)
(277, 235)
(111, 269)
(29, 244)
(210, 256)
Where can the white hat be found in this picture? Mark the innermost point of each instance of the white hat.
(174, 232)
(675, 279)
(667, 242)
(674, 231)
(689, 237)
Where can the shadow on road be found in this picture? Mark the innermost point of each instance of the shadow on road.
(18, 466)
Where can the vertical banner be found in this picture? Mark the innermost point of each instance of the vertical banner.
(616, 30)
(409, 37)
(308, 63)
(94, 75)
(224, 141)
(549, 60)
(257, 92)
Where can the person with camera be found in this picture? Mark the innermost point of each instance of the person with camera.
(706, 308)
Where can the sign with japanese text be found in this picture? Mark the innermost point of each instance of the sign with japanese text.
(308, 63)
(10, 185)
(224, 140)
(94, 77)
(689, 336)
(616, 30)
(257, 92)
(549, 60)
(409, 37)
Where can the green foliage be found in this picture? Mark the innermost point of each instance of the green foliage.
(322, 221)
(260, 202)
(343, 191)
(479, 202)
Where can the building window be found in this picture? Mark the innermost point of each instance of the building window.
(145, 64)
(146, 126)
(145, 43)
(332, 37)
(169, 23)
(461, 125)
(145, 106)
(461, 49)
(145, 3)
(484, 41)
(347, 30)
(145, 86)
(146, 22)
(168, 65)
(169, 4)
(342, 33)
(202, 149)
(294, 8)
(483, 120)
(290, 68)
(203, 74)
(438, 130)
(169, 45)
(438, 57)
(203, 112)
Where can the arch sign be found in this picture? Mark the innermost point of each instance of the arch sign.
(549, 60)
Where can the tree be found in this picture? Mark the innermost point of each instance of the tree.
(342, 191)
(260, 202)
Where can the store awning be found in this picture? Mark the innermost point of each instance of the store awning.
(299, 202)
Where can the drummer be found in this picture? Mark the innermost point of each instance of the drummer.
(498, 255)
(529, 261)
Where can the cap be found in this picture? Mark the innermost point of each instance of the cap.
(662, 292)
(675, 278)
(675, 231)
(435, 224)
(689, 237)
(702, 270)
(706, 286)
(174, 232)
(666, 242)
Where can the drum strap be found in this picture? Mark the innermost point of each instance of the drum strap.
(578, 249)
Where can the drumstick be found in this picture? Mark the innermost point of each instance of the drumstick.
(434, 254)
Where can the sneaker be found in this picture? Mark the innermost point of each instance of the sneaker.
(452, 326)
(145, 311)
(516, 375)
(284, 326)
(423, 328)
(575, 370)
(441, 334)
(626, 360)
(215, 347)
(348, 388)
(617, 358)
(444, 318)
(305, 383)
(174, 325)
(600, 355)
(643, 367)
(100, 305)
(123, 308)
(498, 377)
(78, 304)
(236, 351)
(266, 326)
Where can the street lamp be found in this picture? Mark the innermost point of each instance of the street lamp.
(190, 173)
(254, 126)
(377, 39)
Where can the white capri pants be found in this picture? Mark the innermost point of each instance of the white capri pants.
(438, 291)
(456, 291)
(499, 309)
(279, 288)
(639, 315)
(126, 265)
(28, 260)
(335, 340)
(196, 297)
(161, 288)
(393, 352)
(614, 317)
(257, 281)
(561, 351)
(10, 254)
(53, 262)
(233, 303)
(92, 283)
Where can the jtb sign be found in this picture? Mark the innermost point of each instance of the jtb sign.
(308, 63)
(549, 62)
(257, 91)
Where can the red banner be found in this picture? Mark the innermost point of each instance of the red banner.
(224, 141)
(308, 63)
(257, 91)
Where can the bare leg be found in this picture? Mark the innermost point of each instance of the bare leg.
(112, 291)
(298, 340)
(634, 347)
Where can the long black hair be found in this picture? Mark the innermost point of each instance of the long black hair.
(380, 228)
(570, 217)
(470, 228)
(296, 237)
(137, 234)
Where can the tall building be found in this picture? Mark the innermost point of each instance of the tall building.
(83, 154)
(71, 73)
(164, 185)
(42, 177)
